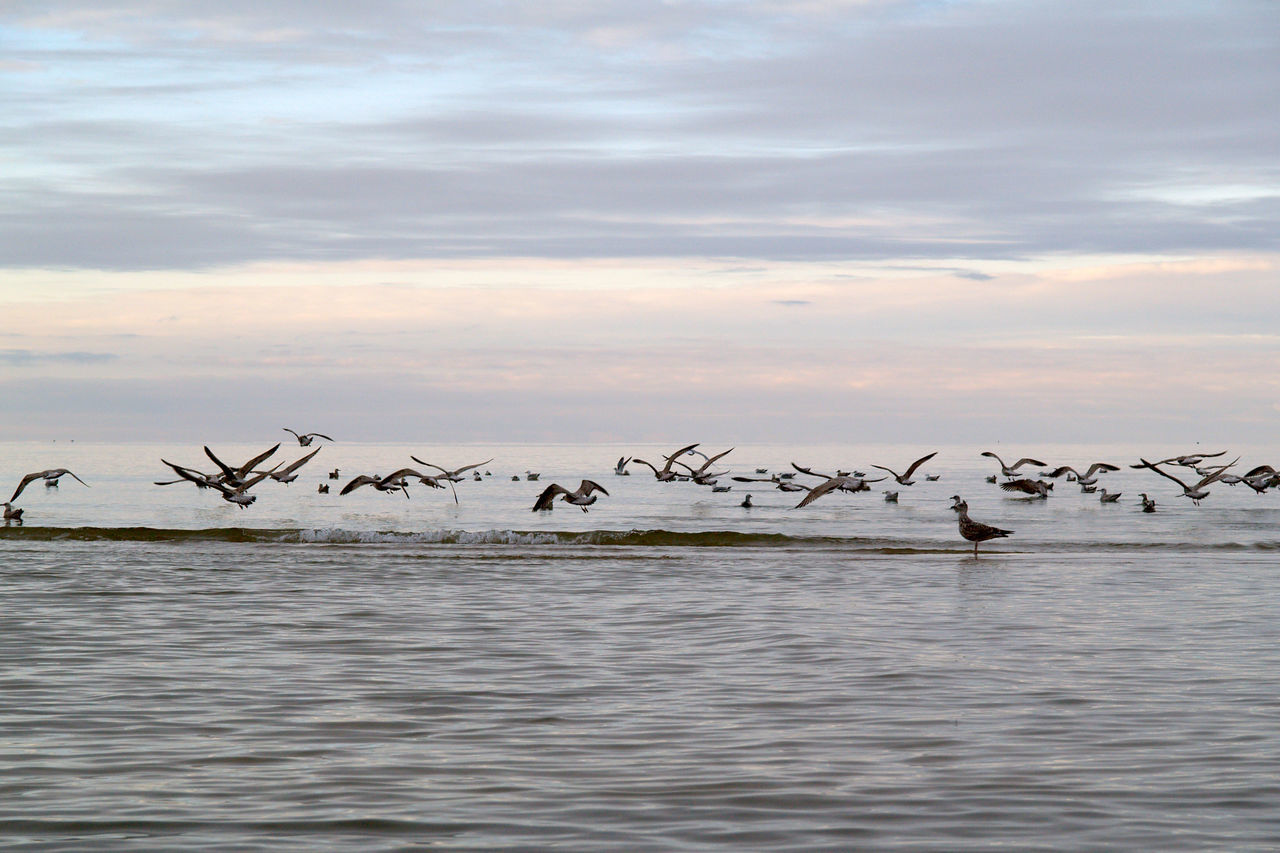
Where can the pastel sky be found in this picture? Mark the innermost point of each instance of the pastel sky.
(701, 220)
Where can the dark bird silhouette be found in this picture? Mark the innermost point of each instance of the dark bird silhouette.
(581, 497)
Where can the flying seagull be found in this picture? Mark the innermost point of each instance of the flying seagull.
(51, 474)
(581, 497)
(904, 479)
(305, 439)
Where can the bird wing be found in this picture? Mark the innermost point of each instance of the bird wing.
(362, 480)
(320, 435)
(227, 470)
(1215, 475)
(1023, 485)
(890, 470)
(916, 464)
(294, 466)
(710, 459)
(27, 479)
(809, 471)
(244, 469)
(1099, 466)
(548, 495)
(589, 486)
(1062, 469)
(819, 490)
(681, 452)
(1146, 464)
(469, 467)
(1027, 460)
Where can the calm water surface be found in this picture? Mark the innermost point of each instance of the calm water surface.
(369, 672)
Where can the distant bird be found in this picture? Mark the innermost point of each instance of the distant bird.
(665, 474)
(932, 478)
(904, 479)
(1085, 479)
(852, 482)
(305, 439)
(1196, 492)
(975, 531)
(529, 475)
(746, 502)
(1108, 497)
(12, 513)
(323, 489)
(51, 474)
(1087, 489)
(333, 475)
(620, 467)
(762, 470)
(288, 474)
(721, 488)
(1012, 470)
(239, 494)
(891, 497)
(1035, 488)
(1148, 504)
(1189, 460)
(582, 497)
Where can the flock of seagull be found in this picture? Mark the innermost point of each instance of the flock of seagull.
(233, 483)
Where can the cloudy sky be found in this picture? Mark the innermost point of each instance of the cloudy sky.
(819, 220)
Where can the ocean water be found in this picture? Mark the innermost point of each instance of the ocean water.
(668, 671)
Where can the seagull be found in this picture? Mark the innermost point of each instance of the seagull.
(837, 483)
(891, 497)
(855, 481)
(1035, 488)
(972, 530)
(666, 475)
(746, 502)
(333, 475)
(1108, 497)
(581, 497)
(779, 483)
(1148, 504)
(287, 474)
(191, 475)
(1196, 492)
(322, 489)
(904, 479)
(12, 513)
(238, 494)
(305, 439)
(1085, 479)
(620, 467)
(1189, 460)
(1012, 470)
(454, 476)
(235, 476)
(51, 474)
(393, 482)
(700, 475)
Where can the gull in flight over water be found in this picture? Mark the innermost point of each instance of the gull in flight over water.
(305, 439)
(1085, 479)
(396, 481)
(975, 531)
(620, 468)
(51, 474)
(1196, 492)
(581, 497)
(1035, 488)
(666, 475)
(904, 479)
(454, 476)
(1012, 470)
(700, 475)
(234, 477)
(288, 474)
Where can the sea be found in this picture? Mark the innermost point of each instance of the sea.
(667, 671)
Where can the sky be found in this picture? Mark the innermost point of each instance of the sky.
(932, 221)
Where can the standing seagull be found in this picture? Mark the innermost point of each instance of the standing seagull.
(1012, 470)
(581, 497)
(51, 474)
(904, 479)
(306, 438)
(975, 531)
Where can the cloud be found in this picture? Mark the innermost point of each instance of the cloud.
(25, 358)
(866, 131)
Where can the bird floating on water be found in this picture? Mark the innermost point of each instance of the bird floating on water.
(975, 531)
(1108, 497)
(1148, 504)
(12, 513)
